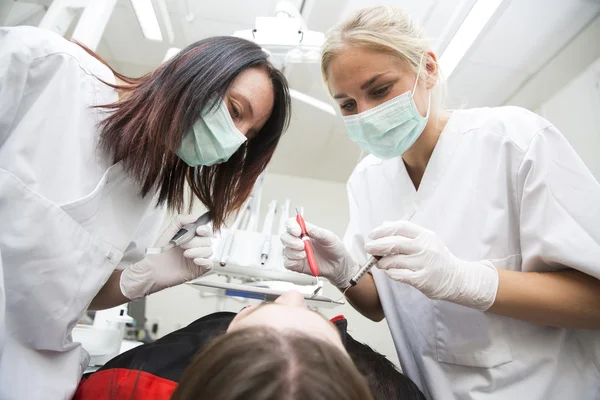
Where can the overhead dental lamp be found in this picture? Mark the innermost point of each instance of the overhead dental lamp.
(285, 36)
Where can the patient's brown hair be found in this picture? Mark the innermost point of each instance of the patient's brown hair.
(266, 364)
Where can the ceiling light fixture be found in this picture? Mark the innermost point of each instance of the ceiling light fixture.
(480, 14)
(146, 16)
(321, 105)
(285, 36)
(172, 52)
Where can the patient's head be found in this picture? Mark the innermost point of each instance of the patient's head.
(280, 350)
(288, 313)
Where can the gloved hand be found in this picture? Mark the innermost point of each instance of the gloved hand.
(335, 263)
(415, 255)
(173, 267)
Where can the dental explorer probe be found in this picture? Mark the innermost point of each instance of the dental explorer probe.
(184, 235)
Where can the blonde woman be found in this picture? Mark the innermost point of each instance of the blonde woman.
(489, 276)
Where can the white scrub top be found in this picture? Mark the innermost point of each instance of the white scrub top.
(504, 185)
(68, 216)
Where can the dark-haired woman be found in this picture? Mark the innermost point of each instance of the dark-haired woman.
(90, 159)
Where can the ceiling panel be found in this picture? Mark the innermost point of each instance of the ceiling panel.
(417, 9)
(306, 78)
(321, 15)
(339, 157)
(479, 85)
(320, 154)
(234, 11)
(202, 28)
(530, 32)
(518, 42)
(300, 144)
(125, 42)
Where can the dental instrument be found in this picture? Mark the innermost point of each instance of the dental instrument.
(284, 214)
(267, 228)
(185, 234)
(310, 254)
(228, 242)
(364, 269)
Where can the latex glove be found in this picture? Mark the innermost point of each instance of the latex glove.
(415, 255)
(335, 263)
(173, 267)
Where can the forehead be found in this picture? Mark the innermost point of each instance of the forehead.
(285, 315)
(284, 318)
(250, 79)
(353, 65)
(255, 86)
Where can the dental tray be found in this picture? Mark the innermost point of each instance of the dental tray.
(263, 293)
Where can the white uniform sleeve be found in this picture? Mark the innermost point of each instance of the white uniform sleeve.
(14, 66)
(13, 75)
(353, 238)
(145, 237)
(2, 306)
(560, 207)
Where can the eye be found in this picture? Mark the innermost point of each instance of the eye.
(382, 91)
(236, 113)
(348, 105)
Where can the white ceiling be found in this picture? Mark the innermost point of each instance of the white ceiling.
(521, 38)
(525, 36)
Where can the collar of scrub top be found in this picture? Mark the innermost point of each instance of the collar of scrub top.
(441, 156)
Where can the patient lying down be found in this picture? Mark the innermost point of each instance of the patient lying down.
(279, 350)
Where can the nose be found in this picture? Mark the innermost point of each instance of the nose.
(243, 126)
(366, 104)
(291, 298)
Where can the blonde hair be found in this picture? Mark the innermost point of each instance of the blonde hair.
(387, 29)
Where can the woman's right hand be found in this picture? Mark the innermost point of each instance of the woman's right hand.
(335, 263)
(173, 267)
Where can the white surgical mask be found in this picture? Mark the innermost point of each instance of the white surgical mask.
(391, 128)
(212, 139)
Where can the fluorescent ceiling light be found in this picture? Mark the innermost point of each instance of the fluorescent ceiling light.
(165, 21)
(172, 52)
(466, 34)
(321, 105)
(144, 11)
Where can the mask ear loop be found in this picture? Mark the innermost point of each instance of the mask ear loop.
(415, 87)
(418, 74)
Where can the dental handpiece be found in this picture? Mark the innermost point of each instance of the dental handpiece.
(184, 235)
(364, 269)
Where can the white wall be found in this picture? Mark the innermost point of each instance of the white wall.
(325, 204)
(575, 111)
(566, 91)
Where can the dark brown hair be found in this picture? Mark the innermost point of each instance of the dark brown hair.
(146, 126)
(265, 364)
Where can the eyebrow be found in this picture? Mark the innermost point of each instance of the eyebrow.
(362, 87)
(370, 82)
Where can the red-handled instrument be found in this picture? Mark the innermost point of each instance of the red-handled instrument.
(310, 253)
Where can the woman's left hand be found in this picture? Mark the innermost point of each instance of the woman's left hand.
(416, 256)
